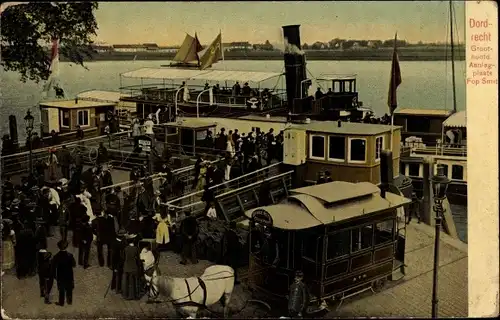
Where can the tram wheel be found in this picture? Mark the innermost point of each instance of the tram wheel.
(378, 285)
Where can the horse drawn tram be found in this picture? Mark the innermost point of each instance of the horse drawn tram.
(343, 236)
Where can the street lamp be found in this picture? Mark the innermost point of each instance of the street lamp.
(439, 185)
(28, 122)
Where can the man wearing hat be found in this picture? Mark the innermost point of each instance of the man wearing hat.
(86, 237)
(189, 231)
(40, 233)
(113, 206)
(131, 270)
(118, 259)
(62, 271)
(44, 275)
(298, 299)
(104, 227)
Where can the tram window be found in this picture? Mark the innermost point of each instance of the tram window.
(310, 248)
(83, 118)
(384, 232)
(361, 238)
(457, 172)
(338, 244)
(402, 167)
(414, 169)
(317, 148)
(357, 149)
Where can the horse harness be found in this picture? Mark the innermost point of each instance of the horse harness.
(203, 286)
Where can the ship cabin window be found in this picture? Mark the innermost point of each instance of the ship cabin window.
(402, 168)
(357, 150)
(336, 148)
(384, 232)
(445, 169)
(82, 118)
(457, 172)
(379, 146)
(65, 118)
(361, 238)
(414, 169)
(338, 244)
(317, 147)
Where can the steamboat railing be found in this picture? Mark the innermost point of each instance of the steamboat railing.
(409, 148)
(162, 93)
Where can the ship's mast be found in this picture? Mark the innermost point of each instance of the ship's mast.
(452, 59)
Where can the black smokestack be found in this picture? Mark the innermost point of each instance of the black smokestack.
(295, 65)
(386, 175)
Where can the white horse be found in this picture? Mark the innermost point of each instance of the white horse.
(216, 284)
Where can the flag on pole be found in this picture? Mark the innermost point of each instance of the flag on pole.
(212, 53)
(53, 80)
(396, 80)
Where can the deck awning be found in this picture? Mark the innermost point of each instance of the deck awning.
(163, 73)
(331, 77)
(102, 96)
(456, 120)
(241, 76)
(205, 75)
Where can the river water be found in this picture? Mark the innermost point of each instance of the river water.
(426, 84)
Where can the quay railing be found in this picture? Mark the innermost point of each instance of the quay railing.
(18, 163)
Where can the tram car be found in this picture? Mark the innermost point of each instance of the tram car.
(345, 237)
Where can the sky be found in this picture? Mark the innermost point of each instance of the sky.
(166, 23)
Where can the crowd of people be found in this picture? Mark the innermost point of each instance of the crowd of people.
(128, 229)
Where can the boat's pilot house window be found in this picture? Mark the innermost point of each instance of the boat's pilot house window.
(317, 148)
(457, 172)
(338, 244)
(384, 232)
(361, 238)
(357, 150)
(336, 148)
(83, 118)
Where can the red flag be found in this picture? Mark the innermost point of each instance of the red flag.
(392, 100)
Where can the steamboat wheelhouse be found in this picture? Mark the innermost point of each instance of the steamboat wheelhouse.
(343, 236)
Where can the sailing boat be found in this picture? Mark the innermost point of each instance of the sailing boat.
(446, 145)
(188, 54)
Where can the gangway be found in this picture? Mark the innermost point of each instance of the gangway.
(236, 196)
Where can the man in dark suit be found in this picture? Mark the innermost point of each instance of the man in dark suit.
(44, 276)
(62, 271)
(232, 249)
(104, 228)
(189, 231)
(76, 213)
(86, 237)
(117, 260)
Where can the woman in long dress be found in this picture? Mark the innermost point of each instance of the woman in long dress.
(8, 242)
(52, 165)
(230, 145)
(201, 178)
(162, 230)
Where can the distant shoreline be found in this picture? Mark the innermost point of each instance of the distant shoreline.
(426, 54)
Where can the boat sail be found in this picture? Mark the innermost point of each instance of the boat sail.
(212, 53)
(188, 52)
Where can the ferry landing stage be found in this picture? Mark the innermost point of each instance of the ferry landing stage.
(410, 297)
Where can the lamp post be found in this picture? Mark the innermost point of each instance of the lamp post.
(439, 185)
(28, 122)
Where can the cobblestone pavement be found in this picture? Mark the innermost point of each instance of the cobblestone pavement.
(410, 297)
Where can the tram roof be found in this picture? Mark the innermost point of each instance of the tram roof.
(329, 203)
(167, 73)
